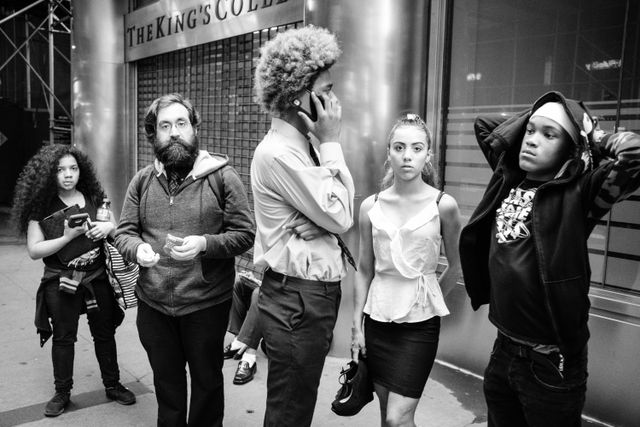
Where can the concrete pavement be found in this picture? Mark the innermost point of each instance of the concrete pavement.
(451, 398)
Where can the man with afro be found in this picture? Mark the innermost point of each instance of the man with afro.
(303, 198)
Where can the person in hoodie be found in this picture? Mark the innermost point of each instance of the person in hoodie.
(524, 252)
(184, 219)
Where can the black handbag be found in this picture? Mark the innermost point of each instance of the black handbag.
(356, 388)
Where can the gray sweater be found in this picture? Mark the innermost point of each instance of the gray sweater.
(176, 287)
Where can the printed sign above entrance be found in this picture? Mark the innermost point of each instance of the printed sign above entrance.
(161, 27)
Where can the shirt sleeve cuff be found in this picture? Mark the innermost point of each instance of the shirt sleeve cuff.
(330, 152)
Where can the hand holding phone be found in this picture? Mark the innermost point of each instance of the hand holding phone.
(327, 127)
(310, 110)
(77, 220)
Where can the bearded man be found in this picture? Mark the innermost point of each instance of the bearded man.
(184, 219)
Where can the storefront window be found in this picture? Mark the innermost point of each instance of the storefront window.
(505, 54)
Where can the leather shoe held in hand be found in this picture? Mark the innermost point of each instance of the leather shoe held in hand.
(356, 390)
(57, 404)
(245, 372)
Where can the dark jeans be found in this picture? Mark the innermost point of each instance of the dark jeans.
(526, 389)
(171, 343)
(243, 318)
(64, 310)
(297, 318)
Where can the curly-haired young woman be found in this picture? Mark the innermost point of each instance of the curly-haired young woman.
(74, 279)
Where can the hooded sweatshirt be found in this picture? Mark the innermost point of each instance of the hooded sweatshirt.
(565, 210)
(150, 212)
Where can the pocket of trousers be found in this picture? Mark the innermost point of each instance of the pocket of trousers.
(547, 374)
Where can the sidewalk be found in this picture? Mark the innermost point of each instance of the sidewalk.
(26, 384)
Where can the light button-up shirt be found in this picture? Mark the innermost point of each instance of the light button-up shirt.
(286, 184)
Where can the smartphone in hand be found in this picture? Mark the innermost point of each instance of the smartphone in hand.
(309, 110)
(77, 220)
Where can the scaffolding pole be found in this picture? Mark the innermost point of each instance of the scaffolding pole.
(57, 13)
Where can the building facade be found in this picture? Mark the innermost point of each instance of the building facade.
(448, 60)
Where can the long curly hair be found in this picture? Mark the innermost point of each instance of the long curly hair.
(37, 184)
(428, 171)
(290, 62)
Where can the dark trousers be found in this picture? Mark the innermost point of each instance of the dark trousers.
(244, 316)
(171, 343)
(64, 310)
(297, 319)
(523, 388)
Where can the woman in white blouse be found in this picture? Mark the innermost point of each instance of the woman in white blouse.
(398, 297)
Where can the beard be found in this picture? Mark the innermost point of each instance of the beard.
(177, 152)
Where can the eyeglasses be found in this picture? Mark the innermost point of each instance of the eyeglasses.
(181, 125)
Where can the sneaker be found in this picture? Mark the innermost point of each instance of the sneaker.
(57, 404)
(121, 394)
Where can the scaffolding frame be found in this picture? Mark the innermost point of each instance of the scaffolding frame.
(57, 21)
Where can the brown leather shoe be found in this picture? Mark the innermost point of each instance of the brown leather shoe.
(244, 373)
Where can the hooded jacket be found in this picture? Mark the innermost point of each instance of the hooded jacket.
(176, 287)
(565, 210)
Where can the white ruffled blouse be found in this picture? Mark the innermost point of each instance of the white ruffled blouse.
(405, 287)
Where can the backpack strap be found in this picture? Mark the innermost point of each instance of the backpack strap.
(217, 186)
(215, 180)
(143, 188)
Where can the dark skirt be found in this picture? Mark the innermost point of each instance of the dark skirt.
(400, 355)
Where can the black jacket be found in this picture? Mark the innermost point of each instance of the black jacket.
(564, 213)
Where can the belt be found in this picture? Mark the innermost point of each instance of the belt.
(296, 280)
(556, 359)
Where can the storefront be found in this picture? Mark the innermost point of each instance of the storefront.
(446, 60)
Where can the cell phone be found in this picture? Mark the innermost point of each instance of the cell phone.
(311, 112)
(77, 220)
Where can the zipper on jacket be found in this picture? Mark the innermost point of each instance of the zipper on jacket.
(170, 200)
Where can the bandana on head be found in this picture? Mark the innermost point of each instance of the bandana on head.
(556, 112)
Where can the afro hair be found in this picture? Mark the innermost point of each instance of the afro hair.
(291, 62)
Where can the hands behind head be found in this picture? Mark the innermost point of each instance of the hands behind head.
(327, 127)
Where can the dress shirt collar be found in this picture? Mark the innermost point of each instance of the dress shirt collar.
(284, 128)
